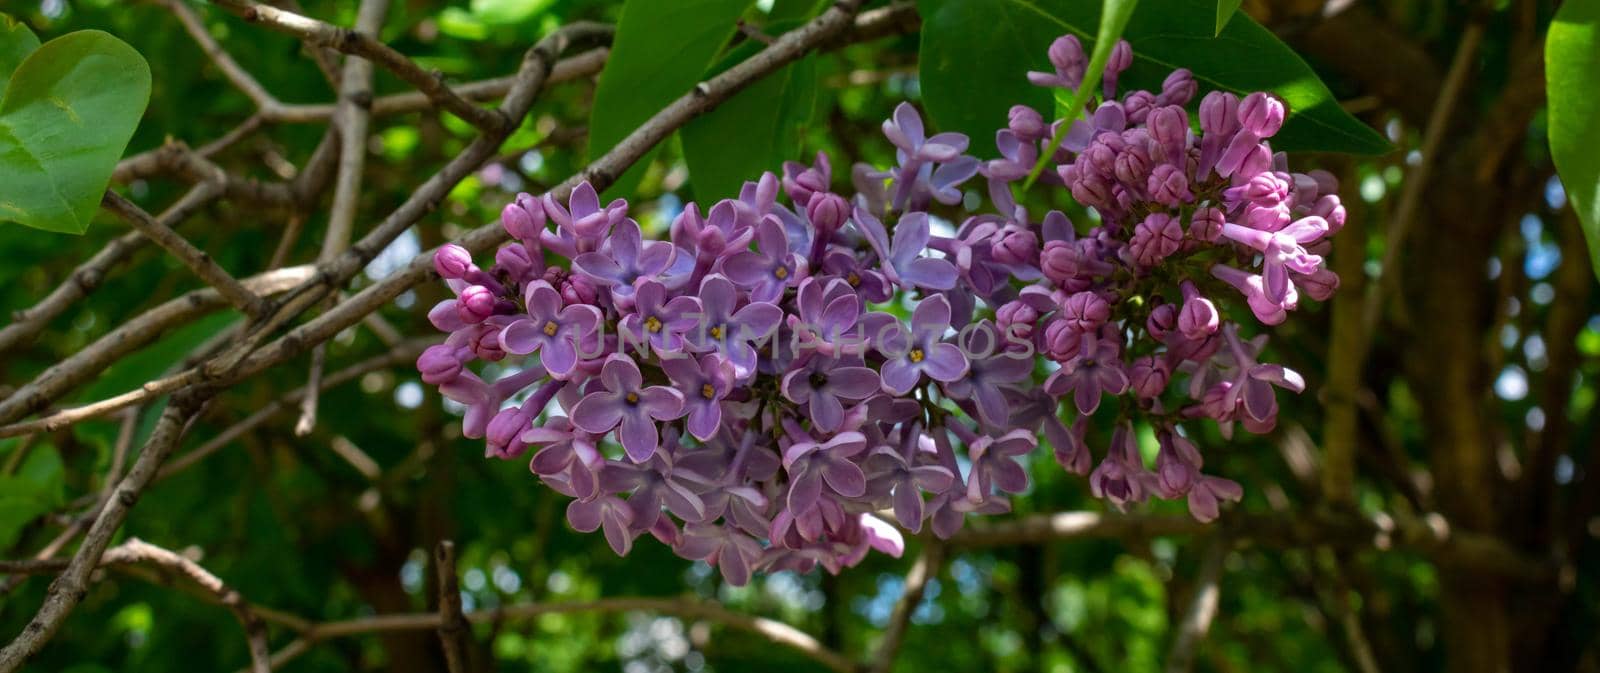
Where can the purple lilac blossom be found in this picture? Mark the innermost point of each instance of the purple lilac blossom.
(748, 387)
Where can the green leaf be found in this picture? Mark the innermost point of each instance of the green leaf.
(16, 42)
(971, 78)
(766, 122)
(68, 113)
(36, 488)
(659, 53)
(1225, 10)
(1572, 71)
(793, 10)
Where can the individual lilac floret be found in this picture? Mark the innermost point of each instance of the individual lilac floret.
(554, 331)
(823, 386)
(903, 261)
(705, 382)
(729, 331)
(812, 464)
(766, 273)
(922, 350)
(1095, 371)
(625, 401)
(630, 260)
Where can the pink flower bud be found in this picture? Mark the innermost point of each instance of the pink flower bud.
(1162, 320)
(1329, 208)
(1179, 88)
(1148, 377)
(1261, 114)
(1206, 224)
(1016, 246)
(486, 344)
(1137, 106)
(1019, 314)
(1320, 285)
(1027, 123)
(1169, 126)
(1061, 342)
(452, 261)
(1133, 165)
(1067, 55)
(516, 261)
(1219, 113)
(1169, 186)
(1155, 238)
(523, 219)
(475, 304)
(1199, 318)
(1059, 261)
(438, 365)
(1085, 311)
(827, 212)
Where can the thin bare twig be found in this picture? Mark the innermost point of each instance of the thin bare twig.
(453, 629)
(196, 259)
(69, 588)
(358, 43)
(87, 363)
(926, 567)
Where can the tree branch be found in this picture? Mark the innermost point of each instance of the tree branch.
(358, 43)
(926, 568)
(196, 259)
(453, 629)
(1202, 609)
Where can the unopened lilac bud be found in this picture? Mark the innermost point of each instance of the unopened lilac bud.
(438, 365)
(516, 262)
(504, 435)
(1179, 88)
(486, 344)
(475, 304)
(1133, 166)
(1156, 237)
(827, 212)
(1148, 377)
(1016, 317)
(1121, 59)
(576, 289)
(1092, 190)
(1329, 208)
(1219, 113)
(452, 261)
(1206, 224)
(1320, 285)
(445, 317)
(1198, 319)
(1016, 246)
(1066, 54)
(1027, 123)
(1058, 261)
(523, 222)
(1137, 106)
(1261, 114)
(1267, 218)
(1085, 311)
(1169, 126)
(1163, 319)
(1061, 342)
(1169, 186)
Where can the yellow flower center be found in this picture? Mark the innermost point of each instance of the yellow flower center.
(781, 273)
(716, 332)
(707, 391)
(916, 355)
(854, 279)
(652, 323)
(633, 398)
(550, 328)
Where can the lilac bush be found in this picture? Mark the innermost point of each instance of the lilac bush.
(776, 382)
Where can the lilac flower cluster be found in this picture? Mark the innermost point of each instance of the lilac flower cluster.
(779, 381)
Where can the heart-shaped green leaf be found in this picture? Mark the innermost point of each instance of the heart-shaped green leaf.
(16, 42)
(67, 115)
